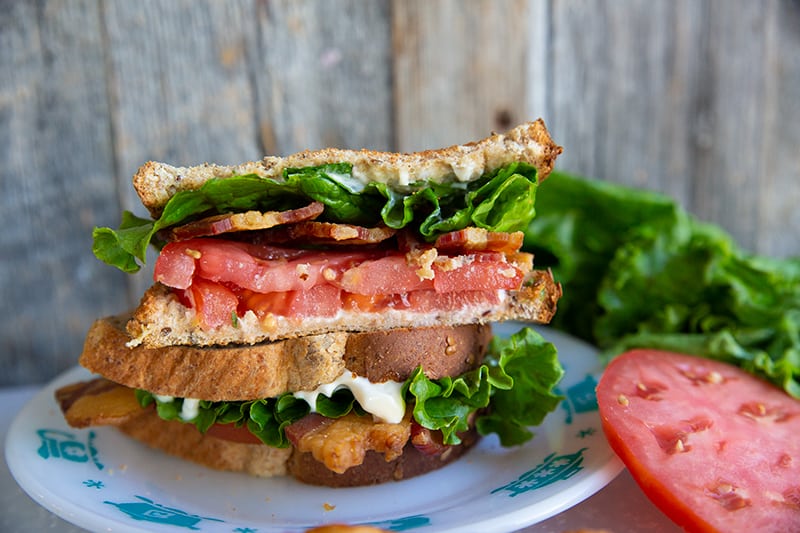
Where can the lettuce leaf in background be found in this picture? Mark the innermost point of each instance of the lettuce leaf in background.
(502, 200)
(638, 271)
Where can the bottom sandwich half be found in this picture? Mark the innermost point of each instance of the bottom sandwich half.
(336, 409)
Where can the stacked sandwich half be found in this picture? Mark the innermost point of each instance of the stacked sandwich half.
(327, 314)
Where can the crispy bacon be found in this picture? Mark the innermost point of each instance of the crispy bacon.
(98, 402)
(311, 422)
(426, 441)
(479, 240)
(248, 221)
(342, 443)
(327, 233)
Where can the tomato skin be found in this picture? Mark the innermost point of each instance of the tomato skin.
(713, 447)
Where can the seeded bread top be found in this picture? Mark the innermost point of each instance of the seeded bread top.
(157, 182)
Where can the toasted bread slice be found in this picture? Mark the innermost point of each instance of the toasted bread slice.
(157, 182)
(269, 369)
(161, 320)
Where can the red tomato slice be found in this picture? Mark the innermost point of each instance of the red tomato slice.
(713, 447)
(388, 275)
(174, 267)
(215, 303)
(322, 300)
(218, 277)
(480, 272)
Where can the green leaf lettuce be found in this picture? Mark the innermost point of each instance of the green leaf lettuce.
(639, 271)
(502, 200)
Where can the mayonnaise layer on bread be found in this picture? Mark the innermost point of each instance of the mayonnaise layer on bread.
(190, 407)
(382, 400)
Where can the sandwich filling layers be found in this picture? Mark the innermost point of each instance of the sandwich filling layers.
(351, 410)
(330, 306)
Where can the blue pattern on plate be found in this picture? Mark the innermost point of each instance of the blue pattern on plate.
(150, 511)
(57, 444)
(553, 468)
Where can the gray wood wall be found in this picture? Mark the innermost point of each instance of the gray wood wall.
(696, 98)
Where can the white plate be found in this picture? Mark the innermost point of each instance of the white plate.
(101, 480)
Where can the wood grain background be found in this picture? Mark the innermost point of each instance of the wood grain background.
(696, 98)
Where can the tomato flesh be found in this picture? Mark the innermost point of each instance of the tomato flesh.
(220, 278)
(713, 447)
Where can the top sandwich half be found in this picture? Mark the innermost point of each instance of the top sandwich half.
(337, 240)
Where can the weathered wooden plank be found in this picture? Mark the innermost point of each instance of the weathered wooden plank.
(620, 94)
(459, 70)
(728, 162)
(689, 98)
(182, 91)
(56, 159)
(778, 228)
(323, 75)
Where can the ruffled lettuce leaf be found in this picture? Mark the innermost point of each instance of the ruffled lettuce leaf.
(512, 390)
(502, 200)
(640, 272)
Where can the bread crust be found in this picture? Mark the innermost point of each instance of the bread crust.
(269, 369)
(186, 442)
(376, 469)
(161, 320)
(157, 182)
(395, 354)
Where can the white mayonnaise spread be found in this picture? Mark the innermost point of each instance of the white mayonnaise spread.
(189, 409)
(382, 400)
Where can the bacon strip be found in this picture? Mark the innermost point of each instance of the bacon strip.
(315, 233)
(342, 443)
(479, 240)
(248, 221)
(98, 402)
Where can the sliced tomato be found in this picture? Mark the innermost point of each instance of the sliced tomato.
(215, 303)
(322, 300)
(425, 301)
(232, 433)
(374, 303)
(479, 272)
(219, 277)
(254, 267)
(175, 267)
(387, 275)
(713, 447)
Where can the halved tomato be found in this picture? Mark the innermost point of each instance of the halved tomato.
(713, 447)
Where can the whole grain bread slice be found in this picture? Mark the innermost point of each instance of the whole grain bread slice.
(268, 369)
(162, 320)
(531, 143)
